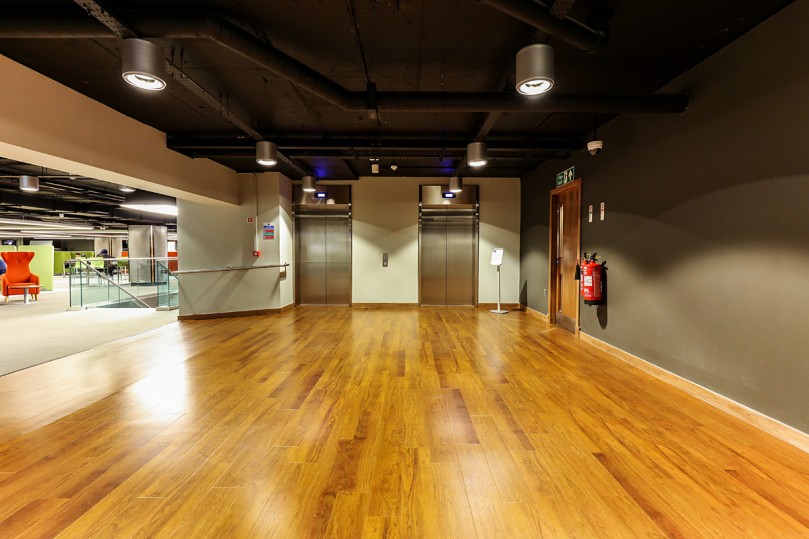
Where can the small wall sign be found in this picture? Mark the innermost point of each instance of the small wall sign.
(269, 231)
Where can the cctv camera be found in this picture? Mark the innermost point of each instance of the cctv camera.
(595, 147)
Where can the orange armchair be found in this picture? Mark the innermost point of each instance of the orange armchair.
(17, 272)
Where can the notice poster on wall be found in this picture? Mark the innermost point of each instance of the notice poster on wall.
(497, 256)
(269, 231)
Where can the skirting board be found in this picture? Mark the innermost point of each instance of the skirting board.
(752, 417)
(385, 305)
(535, 314)
(234, 314)
(504, 306)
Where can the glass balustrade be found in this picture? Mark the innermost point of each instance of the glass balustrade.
(122, 283)
(168, 293)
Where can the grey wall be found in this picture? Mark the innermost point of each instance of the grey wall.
(707, 225)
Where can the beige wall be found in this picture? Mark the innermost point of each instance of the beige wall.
(214, 236)
(385, 219)
(47, 124)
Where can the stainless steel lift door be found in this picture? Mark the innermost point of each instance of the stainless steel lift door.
(448, 256)
(323, 257)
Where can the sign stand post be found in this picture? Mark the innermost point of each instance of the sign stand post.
(497, 260)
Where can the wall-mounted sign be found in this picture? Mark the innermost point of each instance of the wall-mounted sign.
(565, 176)
(269, 231)
(497, 256)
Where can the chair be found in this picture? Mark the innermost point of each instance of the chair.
(18, 272)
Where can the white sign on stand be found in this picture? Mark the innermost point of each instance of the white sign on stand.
(497, 260)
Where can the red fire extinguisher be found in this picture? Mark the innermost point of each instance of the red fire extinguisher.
(591, 279)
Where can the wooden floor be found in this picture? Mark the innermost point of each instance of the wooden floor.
(333, 422)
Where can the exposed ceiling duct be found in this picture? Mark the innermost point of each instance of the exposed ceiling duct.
(573, 32)
(203, 25)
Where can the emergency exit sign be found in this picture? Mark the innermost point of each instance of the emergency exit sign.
(565, 176)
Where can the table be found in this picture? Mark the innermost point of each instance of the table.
(25, 288)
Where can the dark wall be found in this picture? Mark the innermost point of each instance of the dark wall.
(534, 231)
(707, 225)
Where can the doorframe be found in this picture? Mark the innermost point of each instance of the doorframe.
(552, 253)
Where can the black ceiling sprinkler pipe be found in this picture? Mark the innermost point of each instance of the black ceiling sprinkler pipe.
(577, 34)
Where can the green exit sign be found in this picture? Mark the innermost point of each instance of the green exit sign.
(565, 176)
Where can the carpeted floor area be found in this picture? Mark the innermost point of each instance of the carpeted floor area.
(45, 330)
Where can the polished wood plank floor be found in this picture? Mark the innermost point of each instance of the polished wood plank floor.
(333, 422)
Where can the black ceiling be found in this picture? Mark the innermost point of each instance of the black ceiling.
(443, 71)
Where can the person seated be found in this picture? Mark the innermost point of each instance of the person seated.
(2, 266)
(109, 263)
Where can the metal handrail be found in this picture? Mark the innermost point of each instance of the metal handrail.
(230, 268)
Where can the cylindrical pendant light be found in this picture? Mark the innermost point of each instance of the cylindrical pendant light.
(535, 69)
(309, 184)
(455, 184)
(266, 153)
(29, 183)
(143, 64)
(476, 154)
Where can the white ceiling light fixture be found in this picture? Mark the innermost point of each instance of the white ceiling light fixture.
(126, 189)
(151, 203)
(476, 154)
(29, 183)
(309, 184)
(455, 184)
(266, 153)
(535, 69)
(143, 64)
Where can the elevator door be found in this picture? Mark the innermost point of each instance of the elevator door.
(448, 256)
(323, 256)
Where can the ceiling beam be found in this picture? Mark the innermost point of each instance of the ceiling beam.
(188, 143)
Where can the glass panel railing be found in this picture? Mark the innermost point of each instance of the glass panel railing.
(168, 290)
(123, 282)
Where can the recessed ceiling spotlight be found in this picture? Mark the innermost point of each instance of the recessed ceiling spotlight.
(394, 167)
(29, 183)
(143, 64)
(266, 153)
(535, 69)
(476, 154)
(126, 189)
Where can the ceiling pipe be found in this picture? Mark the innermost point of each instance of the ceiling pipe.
(182, 143)
(200, 25)
(573, 32)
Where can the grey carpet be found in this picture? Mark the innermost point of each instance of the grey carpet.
(46, 330)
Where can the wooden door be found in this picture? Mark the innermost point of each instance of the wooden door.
(563, 291)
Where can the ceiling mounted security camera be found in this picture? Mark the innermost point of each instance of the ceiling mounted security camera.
(595, 146)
